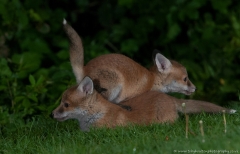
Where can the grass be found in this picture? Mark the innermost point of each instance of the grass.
(45, 135)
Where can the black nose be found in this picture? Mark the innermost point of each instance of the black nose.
(51, 115)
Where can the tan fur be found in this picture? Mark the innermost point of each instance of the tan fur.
(116, 71)
(119, 78)
(91, 109)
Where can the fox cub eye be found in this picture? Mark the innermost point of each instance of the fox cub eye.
(66, 105)
(185, 79)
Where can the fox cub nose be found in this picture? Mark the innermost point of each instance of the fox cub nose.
(51, 115)
(193, 89)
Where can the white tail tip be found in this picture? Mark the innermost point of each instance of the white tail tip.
(232, 111)
(64, 21)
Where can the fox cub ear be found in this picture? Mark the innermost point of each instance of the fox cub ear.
(163, 64)
(86, 85)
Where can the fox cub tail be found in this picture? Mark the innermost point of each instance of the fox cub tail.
(194, 106)
(75, 50)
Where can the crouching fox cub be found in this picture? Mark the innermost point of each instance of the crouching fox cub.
(86, 105)
(119, 78)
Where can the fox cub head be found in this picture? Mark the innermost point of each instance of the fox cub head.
(77, 103)
(173, 75)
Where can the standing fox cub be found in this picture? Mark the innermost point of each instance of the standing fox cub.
(86, 105)
(119, 78)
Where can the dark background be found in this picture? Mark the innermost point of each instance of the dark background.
(203, 35)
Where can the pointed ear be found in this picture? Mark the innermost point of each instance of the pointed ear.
(163, 64)
(86, 85)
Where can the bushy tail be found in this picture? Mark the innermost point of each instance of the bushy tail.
(76, 51)
(195, 106)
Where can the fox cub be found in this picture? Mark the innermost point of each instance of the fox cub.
(85, 104)
(119, 78)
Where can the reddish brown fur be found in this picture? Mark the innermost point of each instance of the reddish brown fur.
(150, 107)
(113, 71)
(119, 78)
(116, 70)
